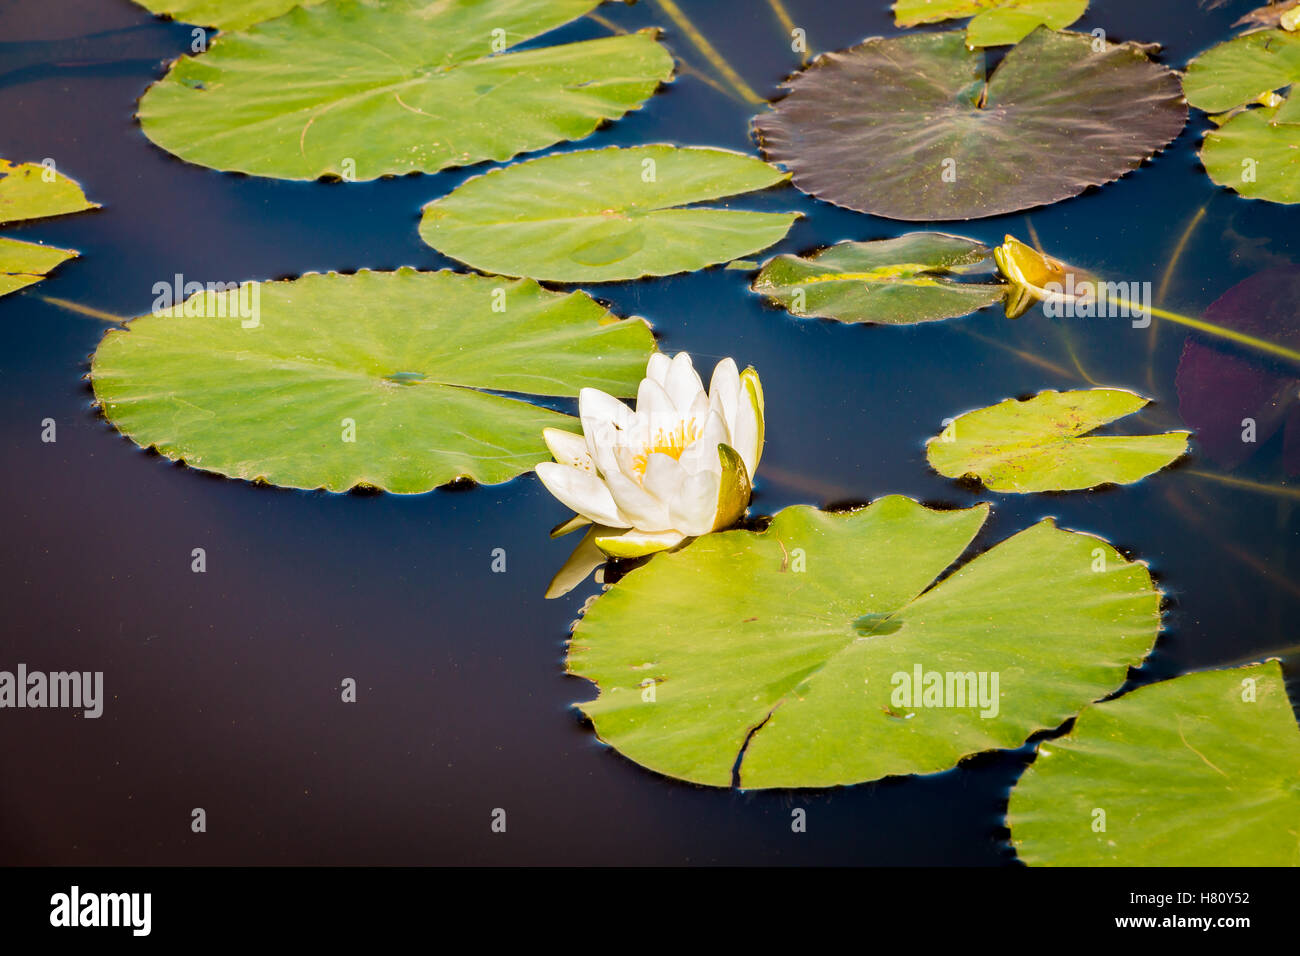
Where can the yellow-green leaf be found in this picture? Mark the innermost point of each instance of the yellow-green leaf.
(1043, 443)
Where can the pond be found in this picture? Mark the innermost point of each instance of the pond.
(222, 688)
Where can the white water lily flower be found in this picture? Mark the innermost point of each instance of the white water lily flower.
(679, 466)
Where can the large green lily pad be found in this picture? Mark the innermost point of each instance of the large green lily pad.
(1242, 69)
(782, 654)
(1256, 156)
(607, 214)
(1256, 148)
(1202, 770)
(379, 379)
(32, 191)
(907, 127)
(996, 22)
(225, 14)
(359, 89)
(1042, 443)
(902, 281)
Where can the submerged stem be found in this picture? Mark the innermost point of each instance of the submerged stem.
(710, 53)
(1178, 253)
(1284, 491)
(784, 16)
(1232, 335)
(83, 309)
(682, 65)
(1165, 279)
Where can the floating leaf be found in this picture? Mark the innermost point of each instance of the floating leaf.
(783, 653)
(375, 379)
(606, 214)
(996, 22)
(360, 90)
(1255, 156)
(1254, 151)
(907, 127)
(25, 263)
(1236, 401)
(1202, 770)
(1239, 71)
(225, 14)
(33, 191)
(1042, 444)
(890, 281)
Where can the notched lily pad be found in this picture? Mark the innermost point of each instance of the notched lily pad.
(1239, 71)
(389, 380)
(33, 191)
(996, 22)
(1201, 770)
(1256, 148)
(907, 127)
(607, 214)
(914, 278)
(806, 655)
(361, 90)
(1043, 443)
(1256, 156)
(224, 14)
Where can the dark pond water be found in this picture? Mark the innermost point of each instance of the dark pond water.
(223, 687)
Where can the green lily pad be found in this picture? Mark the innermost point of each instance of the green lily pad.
(225, 14)
(1042, 443)
(360, 90)
(379, 379)
(890, 281)
(782, 654)
(996, 22)
(1239, 71)
(26, 263)
(1256, 148)
(32, 191)
(1255, 156)
(1201, 770)
(907, 127)
(604, 215)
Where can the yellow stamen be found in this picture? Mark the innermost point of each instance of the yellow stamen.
(671, 442)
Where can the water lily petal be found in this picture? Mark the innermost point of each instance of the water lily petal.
(602, 417)
(643, 510)
(654, 409)
(724, 392)
(657, 368)
(636, 544)
(583, 492)
(683, 383)
(699, 410)
(568, 448)
(696, 504)
(702, 455)
(663, 476)
(748, 435)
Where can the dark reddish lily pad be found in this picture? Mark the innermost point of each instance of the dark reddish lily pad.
(1219, 386)
(907, 127)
